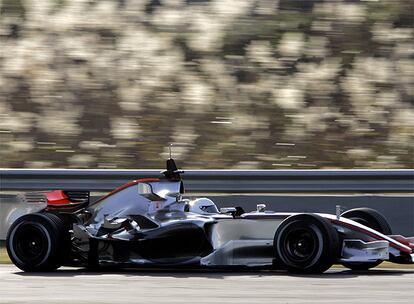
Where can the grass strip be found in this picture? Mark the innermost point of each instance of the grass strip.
(4, 258)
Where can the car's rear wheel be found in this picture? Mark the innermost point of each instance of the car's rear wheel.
(306, 243)
(38, 242)
(372, 219)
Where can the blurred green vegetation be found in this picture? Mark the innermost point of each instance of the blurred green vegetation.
(232, 83)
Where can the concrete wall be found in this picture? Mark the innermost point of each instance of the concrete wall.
(398, 209)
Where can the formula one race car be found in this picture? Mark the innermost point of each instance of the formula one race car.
(147, 222)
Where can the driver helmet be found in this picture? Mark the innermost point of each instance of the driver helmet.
(203, 205)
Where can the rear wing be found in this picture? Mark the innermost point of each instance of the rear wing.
(67, 199)
(33, 198)
(56, 197)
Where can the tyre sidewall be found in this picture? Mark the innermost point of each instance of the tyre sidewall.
(370, 218)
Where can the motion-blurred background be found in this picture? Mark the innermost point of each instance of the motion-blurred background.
(233, 83)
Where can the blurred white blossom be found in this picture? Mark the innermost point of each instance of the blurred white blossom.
(108, 84)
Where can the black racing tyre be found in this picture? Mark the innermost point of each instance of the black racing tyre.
(306, 243)
(38, 242)
(372, 219)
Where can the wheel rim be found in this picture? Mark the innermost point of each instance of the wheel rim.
(301, 245)
(31, 243)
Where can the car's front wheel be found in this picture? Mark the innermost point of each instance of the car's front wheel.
(37, 242)
(372, 219)
(306, 243)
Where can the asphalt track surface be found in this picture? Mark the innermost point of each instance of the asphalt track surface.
(69, 285)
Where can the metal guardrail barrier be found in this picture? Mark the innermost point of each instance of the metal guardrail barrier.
(217, 181)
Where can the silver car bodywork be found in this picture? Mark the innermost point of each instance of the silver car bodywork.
(245, 240)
